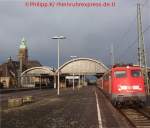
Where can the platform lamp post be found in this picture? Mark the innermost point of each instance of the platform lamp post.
(58, 80)
(73, 57)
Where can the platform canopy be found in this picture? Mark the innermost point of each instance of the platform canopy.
(37, 71)
(84, 66)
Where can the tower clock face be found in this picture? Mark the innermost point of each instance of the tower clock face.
(23, 45)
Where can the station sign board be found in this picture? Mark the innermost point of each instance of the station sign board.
(72, 77)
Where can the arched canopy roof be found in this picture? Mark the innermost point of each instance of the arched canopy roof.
(39, 71)
(83, 66)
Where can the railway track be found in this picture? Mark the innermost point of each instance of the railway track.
(136, 117)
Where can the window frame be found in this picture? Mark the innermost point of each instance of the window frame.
(136, 70)
(125, 75)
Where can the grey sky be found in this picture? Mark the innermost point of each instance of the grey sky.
(89, 31)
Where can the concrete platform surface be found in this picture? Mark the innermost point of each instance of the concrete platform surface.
(72, 109)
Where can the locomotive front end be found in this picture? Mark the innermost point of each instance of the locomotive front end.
(128, 86)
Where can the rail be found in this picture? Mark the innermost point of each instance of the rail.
(136, 117)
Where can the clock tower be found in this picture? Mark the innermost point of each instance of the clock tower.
(23, 52)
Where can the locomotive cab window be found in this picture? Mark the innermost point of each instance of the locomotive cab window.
(136, 73)
(120, 74)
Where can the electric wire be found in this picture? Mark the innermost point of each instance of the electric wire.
(127, 32)
(134, 42)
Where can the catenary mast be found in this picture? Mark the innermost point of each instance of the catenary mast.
(141, 46)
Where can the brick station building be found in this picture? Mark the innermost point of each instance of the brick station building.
(9, 71)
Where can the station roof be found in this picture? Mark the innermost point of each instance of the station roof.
(43, 70)
(83, 66)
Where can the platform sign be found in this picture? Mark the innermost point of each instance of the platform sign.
(72, 77)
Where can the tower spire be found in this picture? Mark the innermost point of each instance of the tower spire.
(23, 43)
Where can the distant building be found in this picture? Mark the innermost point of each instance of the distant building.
(33, 63)
(9, 71)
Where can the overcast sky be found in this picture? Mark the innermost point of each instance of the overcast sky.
(90, 32)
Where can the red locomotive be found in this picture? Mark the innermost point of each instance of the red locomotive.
(124, 84)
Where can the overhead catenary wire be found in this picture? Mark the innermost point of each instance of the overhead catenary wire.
(129, 27)
(134, 42)
(146, 29)
(128, 31)
(124, 36)
(146, 2)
